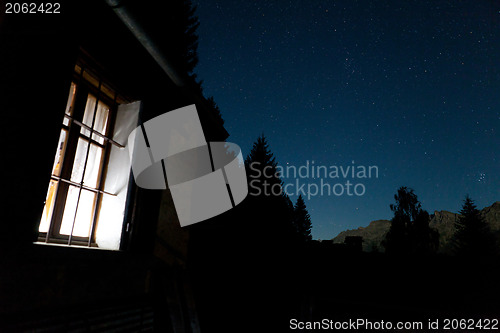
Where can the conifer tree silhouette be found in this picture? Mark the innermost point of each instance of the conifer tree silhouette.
(268, 205)
(473, 236)
(214, 108)
(262, 168)
(302, 220)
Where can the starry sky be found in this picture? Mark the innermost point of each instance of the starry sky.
(412, 87)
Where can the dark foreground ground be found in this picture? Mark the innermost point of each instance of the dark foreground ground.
(263, 291)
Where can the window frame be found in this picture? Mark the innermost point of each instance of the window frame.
(83, 76)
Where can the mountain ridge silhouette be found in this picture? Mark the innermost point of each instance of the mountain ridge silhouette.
(442, 221)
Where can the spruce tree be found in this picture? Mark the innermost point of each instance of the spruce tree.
(473, 236)
(302, 220)
(262, 173)
(268, 206)
(214, 108)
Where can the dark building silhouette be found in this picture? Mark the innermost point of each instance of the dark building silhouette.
(354, 243)
(105, 254)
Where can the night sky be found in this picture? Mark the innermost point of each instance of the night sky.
(412, 87)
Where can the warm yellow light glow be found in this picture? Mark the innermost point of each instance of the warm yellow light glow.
(80, 203)
(61, 147)
(49, 205)
(69, 103)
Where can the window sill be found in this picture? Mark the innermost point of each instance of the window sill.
(77, 246)
(76, 254)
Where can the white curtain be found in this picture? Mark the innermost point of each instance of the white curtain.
(112, 212)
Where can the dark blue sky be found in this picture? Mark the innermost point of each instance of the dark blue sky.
(412, 87)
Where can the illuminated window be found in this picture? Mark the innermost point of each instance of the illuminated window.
(77, 189)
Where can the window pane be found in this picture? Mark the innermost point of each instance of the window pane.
(93, 166)
(101, 121)
(49, 205)
(84, 214)
(61, 147)
(88, 116)
(79, 162)
(65, 121)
